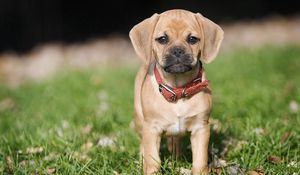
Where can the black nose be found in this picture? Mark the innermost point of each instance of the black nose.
(177, 51)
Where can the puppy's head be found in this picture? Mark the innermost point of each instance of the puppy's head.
(176, 39)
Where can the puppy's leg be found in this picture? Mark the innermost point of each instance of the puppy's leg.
(200, 141)
(151, 144)
(174, 146)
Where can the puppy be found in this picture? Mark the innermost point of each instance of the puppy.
(172, 96)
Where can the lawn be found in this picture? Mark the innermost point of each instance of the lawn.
(78, 122)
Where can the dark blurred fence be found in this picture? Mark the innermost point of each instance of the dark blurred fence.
(25, 23)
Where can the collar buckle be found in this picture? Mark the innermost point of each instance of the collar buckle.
(184, 93)
(166, 87)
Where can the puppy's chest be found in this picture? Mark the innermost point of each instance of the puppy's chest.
(174, 118)
(178, 126)
(178, 119)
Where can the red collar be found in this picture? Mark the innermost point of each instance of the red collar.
(172, 94)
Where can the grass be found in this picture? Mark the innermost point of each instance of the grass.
(54, 126)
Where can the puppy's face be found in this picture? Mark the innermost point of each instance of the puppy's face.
(177, 42)
(176, 39)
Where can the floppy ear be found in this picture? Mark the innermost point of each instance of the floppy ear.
(213, 36)
(141, 37)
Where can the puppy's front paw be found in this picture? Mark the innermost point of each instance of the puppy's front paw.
(200, 171)
(150, 170)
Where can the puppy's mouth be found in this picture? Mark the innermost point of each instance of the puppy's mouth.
(177, 65)
(177, 68)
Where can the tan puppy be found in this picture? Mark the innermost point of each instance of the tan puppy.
(171, 93)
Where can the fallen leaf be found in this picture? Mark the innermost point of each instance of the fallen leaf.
(115, 172)
(7, 103)
(229, 142)
(284, 137)
(87, 146)
(240, 145)
(9, 163)
(85, 157)
(259, 169)
(31, 162)
(102, 95)
(216, 125)
(96, 80)
(222, 162)
(81, 156)
(235, 169)
(274, 159)
(217, 170)
(184, 171)
(51, 156)
(87, 129)
(51, 170)
(252, 172)
(34, 150)
(256, 171)
(23, 163)
(217, 162)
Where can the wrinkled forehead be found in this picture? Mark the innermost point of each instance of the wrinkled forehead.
(179, 23)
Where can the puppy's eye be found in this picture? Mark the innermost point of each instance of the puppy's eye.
(162, 39)
(192, 39)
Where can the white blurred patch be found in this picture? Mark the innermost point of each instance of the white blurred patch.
(259, 131)
(82, 156)
(216, 125)
(184, 171)
(115, 172)
(34, 150)
(294, 106)
(106, 142)
(51, 156)
(103, 102)
(65, 124)
(293, 164)
(59, 132)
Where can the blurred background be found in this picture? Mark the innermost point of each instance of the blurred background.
(67, 73)
(38, 37)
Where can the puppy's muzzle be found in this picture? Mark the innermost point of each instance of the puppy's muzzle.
(177, 60)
